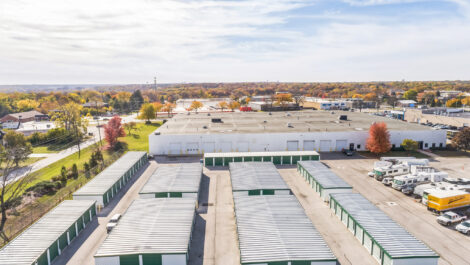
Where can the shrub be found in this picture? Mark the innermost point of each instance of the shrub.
(74, 173)
(46, 187)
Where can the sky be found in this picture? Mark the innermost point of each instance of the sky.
(129, 42)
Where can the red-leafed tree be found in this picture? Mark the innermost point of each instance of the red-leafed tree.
(379, 138)
(113, 130)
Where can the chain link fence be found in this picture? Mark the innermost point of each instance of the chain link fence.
(30, 213)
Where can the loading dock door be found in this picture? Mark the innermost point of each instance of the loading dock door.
(208, 147)
(325, 145)
(309, 145)
(292, 145)
(242, 147)
(175, 148)
(226, 146)
(341, 144)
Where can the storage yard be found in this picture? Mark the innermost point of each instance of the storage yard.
(238, 209)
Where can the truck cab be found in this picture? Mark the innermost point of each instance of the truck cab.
(449, 218)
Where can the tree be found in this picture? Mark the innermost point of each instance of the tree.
(283, 99)
(168, 108)
(9, 194)
(454, 103)
(19, 146)
(147, 112)
(130, 126)
(63, 174)
(379, 138)
(74, 173)
(462, 139)
(113, 130)
(195, 105)
(68, 116)
(409, 145)
(411, 94)
(27, 104)
(136, 100)
(234, 105)
(86, 167)
(223, 105)
(158, 107)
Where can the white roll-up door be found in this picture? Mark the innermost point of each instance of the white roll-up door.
(325, 145)
(175, 148)
(341, 144)
(309, 145)
(208, 147)
(226, 146)
(242, 146)
(292, 145)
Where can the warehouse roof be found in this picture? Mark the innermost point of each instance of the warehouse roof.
(255, 176)
(181, 178)
(107, 178)
(323, 175)
(35, 240)
(392, 237)
(275, 228)
(277, 122)
(149, 226)
(274, 153)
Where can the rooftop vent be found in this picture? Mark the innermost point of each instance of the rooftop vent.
(216, 120)
(290, 125)
(208, 114)
(343, 117)
(204, 127)
(156, 133)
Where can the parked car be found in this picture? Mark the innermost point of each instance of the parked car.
(348, 152)
(387, 181)
(464, 227)
(449, 218)
(113, 222)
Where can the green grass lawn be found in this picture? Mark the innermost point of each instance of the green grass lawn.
(139, 139)
(394, 153)
(51, 148)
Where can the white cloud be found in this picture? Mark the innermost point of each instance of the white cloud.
(121, 41)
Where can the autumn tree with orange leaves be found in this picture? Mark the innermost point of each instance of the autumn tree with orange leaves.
(379, 138)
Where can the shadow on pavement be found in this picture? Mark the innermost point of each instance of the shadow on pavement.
(204, 194)
(76, 243)
(196, 250)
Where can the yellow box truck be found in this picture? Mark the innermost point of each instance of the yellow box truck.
(445, 200)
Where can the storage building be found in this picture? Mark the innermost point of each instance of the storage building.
(173, 181)
(307, 130)
(388, 242)
(275, 230)
(278, 158)
(322, 179)
(257, 178)
(151, 231)
(109, 182)
(45, 240)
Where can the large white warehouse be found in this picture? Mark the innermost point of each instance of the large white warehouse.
(320, 131)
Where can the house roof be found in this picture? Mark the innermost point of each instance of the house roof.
(25, 115)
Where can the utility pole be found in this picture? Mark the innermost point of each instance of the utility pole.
(155, 84)
(98, 121)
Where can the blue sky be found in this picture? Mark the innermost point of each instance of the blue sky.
(121, 41)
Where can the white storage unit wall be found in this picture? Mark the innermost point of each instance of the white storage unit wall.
(151, 231)
(388, 242)
(107, 184)
(257, 178)
(276, 230)
(322, 179)
(182, 180)
(46, 239)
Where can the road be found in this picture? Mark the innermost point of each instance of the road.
(452, 246)
(54, 157)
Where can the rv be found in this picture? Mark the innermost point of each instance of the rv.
(390, 171)
(412, 180)
(445, 200)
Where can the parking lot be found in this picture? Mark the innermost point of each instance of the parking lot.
(411, 214)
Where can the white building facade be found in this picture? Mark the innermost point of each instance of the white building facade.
(325, 141)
